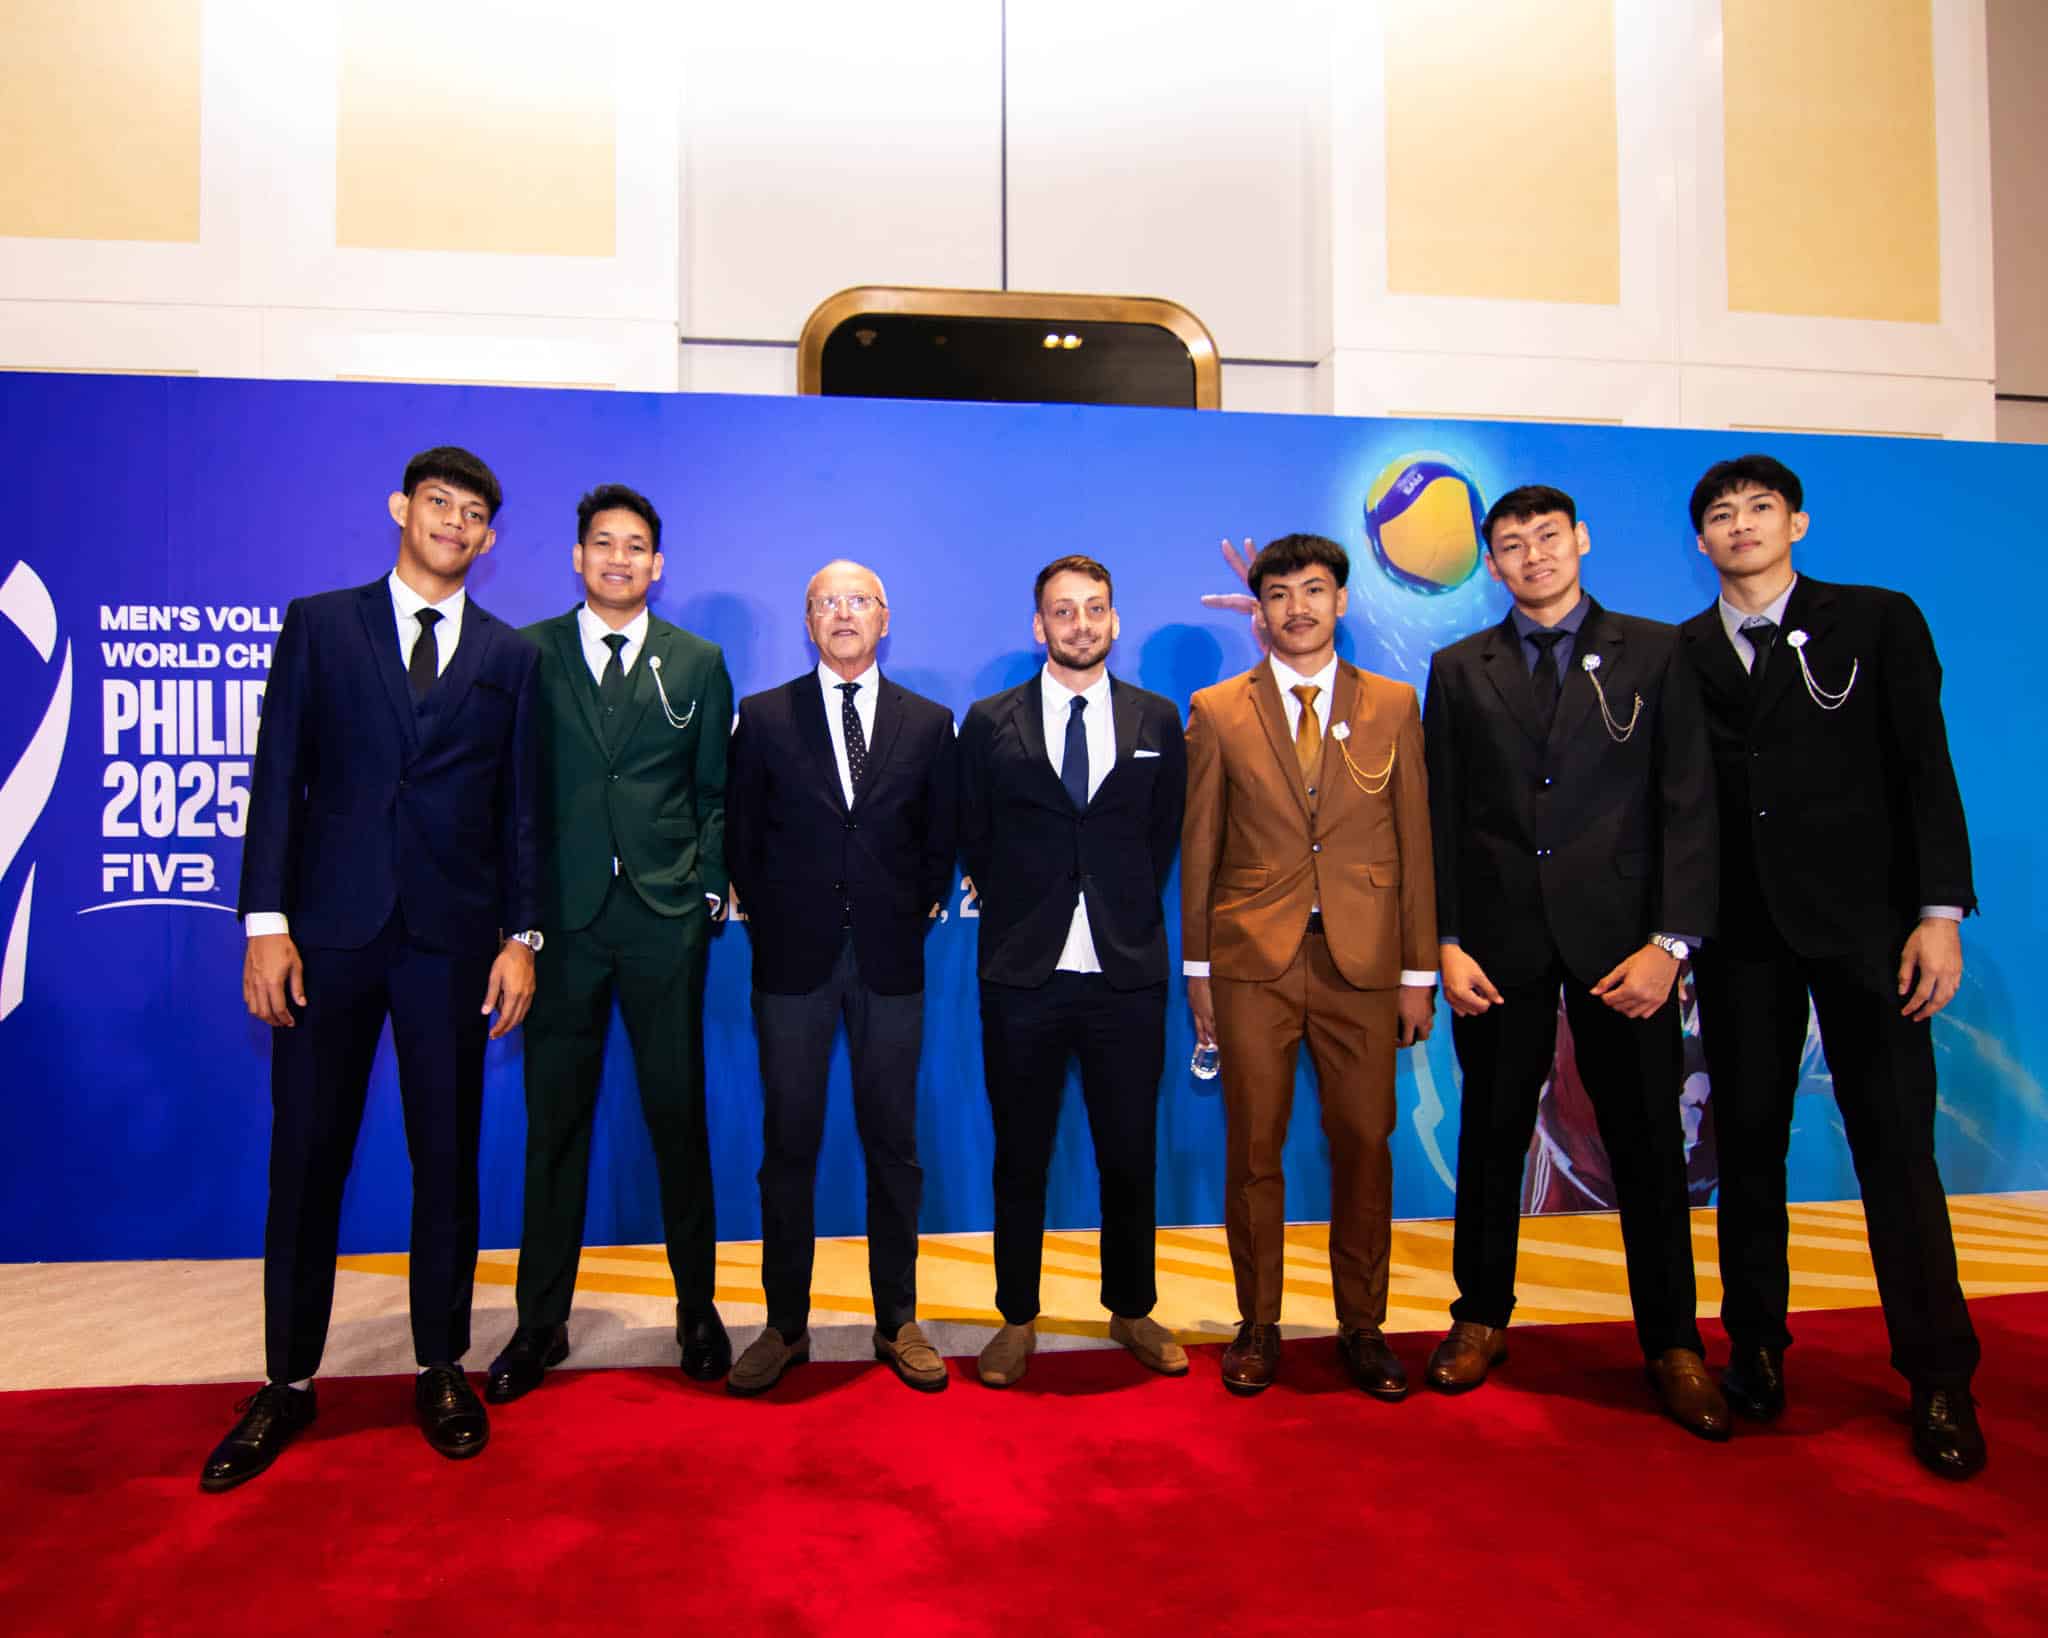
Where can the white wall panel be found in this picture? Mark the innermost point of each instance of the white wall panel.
(1464, 386)
(1271, 389)
(833, 146)
(321, 344)
(119, 336)
(752, 369)
(1162, 149)
(1823, 401)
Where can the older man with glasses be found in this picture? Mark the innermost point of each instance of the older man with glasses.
(840, 820)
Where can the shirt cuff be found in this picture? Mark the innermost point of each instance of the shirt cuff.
(1447, 938)
(1417, 980)
(1943, 912)
(265, 923)
(1194, 969)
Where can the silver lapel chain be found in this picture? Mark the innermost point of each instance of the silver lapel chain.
(1827, 699)
(667, 710)
(1590, 664)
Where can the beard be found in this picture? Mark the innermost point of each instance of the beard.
(1076, 659)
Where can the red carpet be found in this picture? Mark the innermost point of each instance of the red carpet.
(1090, 1498)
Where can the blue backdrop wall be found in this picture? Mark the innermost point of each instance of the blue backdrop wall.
(162, 525)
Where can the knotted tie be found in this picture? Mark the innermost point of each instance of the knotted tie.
(1074, 760)
(1308, 732)
(856, 740)
(1762, 634)
(1545, 680)
(424, 665)
(611, 687)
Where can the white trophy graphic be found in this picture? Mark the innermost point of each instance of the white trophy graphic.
(25, 601)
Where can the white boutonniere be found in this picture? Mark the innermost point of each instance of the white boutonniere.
(1341, 732)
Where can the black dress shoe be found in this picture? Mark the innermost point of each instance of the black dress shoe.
(1946, 1437)
(1372, 1365)
(1754, 1383)
(271, 1418)
(525, 1359)
(451, 1415)
(707, 1350)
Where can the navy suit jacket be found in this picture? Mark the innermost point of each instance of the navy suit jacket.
(804, 861)
(363, 802)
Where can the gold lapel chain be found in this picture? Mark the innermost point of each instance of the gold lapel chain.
(667, 710)
(1590, 664)
(1342, 735)
(1825, 698)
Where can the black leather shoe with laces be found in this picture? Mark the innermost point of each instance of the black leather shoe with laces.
(1946, 1437)
(450, 1414)
(271, 1418)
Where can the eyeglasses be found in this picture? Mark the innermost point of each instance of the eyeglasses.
(847, 603)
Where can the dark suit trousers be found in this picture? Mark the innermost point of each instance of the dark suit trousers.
(1633, 1070)
(655, 966)
(319, 1078)
(884, 1036)
(1260, 1030)
(1753, 1013)
(1119, 1036)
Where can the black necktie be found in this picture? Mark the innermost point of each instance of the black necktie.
(1762, 634)
(1545, 680)
(1074, 762)
(856, 741)
(424, 666)
(611, 687)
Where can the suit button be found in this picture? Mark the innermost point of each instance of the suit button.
(1315, 847)
(1763, 813)
(850, 825)
(839, 887)
(1543, 853)
(1311, 790)
(614, 778)
(1546, 781)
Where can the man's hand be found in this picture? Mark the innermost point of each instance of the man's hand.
(271, 971)
(510, 991)
(1417, 1014)
(1933, 954)
(1202, 1008)
(1466, 986)
(1241, 602)
(1641, 984)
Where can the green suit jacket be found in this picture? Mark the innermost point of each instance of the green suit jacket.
(656, 800)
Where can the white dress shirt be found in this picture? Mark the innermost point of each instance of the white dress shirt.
(868, 688)
(1745, 651)
(405, 608)
(594, 631)
(1325, 682)
(1077, 955)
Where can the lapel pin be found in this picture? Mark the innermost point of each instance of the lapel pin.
(1590, 664)
(1827, 699)
(1620, 734)
(1341, 732)
(667, 710)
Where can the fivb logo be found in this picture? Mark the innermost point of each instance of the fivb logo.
(25, 601)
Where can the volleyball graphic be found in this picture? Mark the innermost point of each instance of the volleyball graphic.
(1422, 517)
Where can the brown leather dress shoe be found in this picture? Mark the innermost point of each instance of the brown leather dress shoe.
(911, 1356)
(1461, 1361)
(1252, 1361)
(1372, 1365)
(1688, 1393)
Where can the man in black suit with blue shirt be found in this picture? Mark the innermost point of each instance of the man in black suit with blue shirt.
(840, 824)
(1845, 878)
(1071, 792)
(389, 870)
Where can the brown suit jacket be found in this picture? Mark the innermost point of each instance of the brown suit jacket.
(1258, 852)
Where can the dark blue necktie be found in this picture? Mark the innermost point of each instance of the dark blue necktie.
(1074, 764)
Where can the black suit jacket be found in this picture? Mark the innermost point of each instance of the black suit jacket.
(1029, 850)
(1569, 840)
(362, 801)
(1836, 826)
(802, 860)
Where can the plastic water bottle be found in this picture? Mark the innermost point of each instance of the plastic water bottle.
(1203, 1065)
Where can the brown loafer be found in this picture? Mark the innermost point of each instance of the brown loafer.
(1688, 1394)
(1463, 1358)
(912, 1357)
(1151, 1343)
(1007, 1355)
(767, 1357)
(1372, 1365)
(1252, 1361)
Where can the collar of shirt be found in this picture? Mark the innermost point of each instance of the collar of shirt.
(1057, 701)
(1569, 625)
(866, 685)
(1057, 696)
(1287, 677)
(406, 605)
(1732, 618)
(593, 631)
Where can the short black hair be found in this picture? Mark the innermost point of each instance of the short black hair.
(458, 467)
(1073, 564)
(1292, 553)
(608, 497)
(1725, 478)
(1532, 500)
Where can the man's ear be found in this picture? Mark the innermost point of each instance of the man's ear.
(399, 503)
(1038, 628)
(656, 575)
(1584, 536)
(1799, 521)
(1343, 600)
(1116, 625)
(490, 540)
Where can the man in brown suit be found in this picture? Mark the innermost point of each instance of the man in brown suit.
(1308, 913)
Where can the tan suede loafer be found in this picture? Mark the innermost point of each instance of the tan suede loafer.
(1151, 1342)
(767, 1357)
(911, 1356)
(1007, 1355)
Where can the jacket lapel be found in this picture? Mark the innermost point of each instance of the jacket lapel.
(478, 634)
(1272, 715)
(808, 707)
(380, 631)
(568, 640)
(1714, 655)
(888, 720)
(1502, 659)
(1809, 609)
(1577, 703)
(1126, 720)
(1027, 714)
(640, 691)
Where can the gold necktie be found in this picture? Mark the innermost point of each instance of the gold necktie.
(1308, 733)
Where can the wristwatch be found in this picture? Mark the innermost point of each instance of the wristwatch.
(1676, 948)
(533, 941)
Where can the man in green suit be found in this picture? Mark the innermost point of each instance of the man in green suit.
(634, 719)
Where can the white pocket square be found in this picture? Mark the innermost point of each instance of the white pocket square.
(1144, 753)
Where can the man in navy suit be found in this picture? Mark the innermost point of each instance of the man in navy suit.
(389, 871)
(840, 808)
